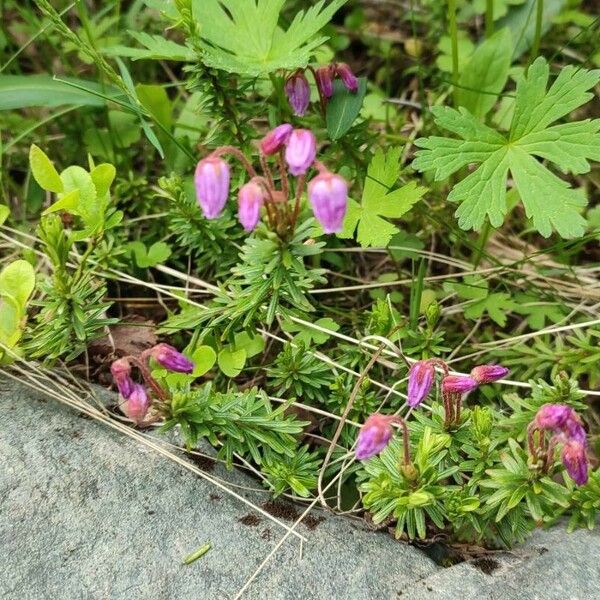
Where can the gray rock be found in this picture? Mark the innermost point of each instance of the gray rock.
(551, 565)
(86, 512)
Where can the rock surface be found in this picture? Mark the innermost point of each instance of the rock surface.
(86, 512)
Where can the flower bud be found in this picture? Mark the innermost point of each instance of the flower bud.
(250, 201)
(347, 76)
(488, 373)
(170, 358)
(324, 79)
(137, 405)
(420, 380)
(458, 384)
(575, 461)
(121, 372)
(212, 185)
(301, 151)
(297, 91)
(374, 436)
(276, 139)
(328, 195)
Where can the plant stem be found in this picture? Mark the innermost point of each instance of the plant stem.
(539, 19)
(453, 30)
(481, 242)
(489, 18)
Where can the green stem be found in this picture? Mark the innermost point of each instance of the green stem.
(489, 18)
(454, 39)
(481, 242)
(539, 19)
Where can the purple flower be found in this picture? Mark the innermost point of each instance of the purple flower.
(458, 384)
(250, 200)
(301, 151)
(420, 380)
(574, 430)
(553, 416)
(574, 458)
(171, 359)
(347, 76)
(121, 372)
(276, 139)
(212, 185)
(328, 195)
(324, 79)
(137, 405)
(488, 373)
(374, 435)
(298, 93)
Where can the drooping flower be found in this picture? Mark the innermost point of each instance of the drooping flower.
(328, 195)
(276, 139)
(575, 461)
(250, 201)
(170, 358)
(347, 76)
(488, 373)
(554, 416)
(324, 79)
(374, 436)
(458, 384)
(121, 372)
(297, 90)
(212, 185)
(301, 151)
(420, 380)
(574, 429)
(137, 404)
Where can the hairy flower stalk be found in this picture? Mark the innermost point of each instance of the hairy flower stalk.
(556, 424)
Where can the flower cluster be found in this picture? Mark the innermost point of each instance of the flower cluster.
(377, 431)
(295, 151)
(297, 88)
(136, 399)
(559, 424)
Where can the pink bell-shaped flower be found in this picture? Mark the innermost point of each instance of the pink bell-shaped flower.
(420, 380)
(137, 405)
(324, 79)
(297, 90)
(276, 139)
(374, 436)
(488, 373)
(301, 151)
(121, 372)
(212, 185)
(574, 458)
(170, 358)
(250, 201)
(348, 77)
(328, 196)
(458, 384)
